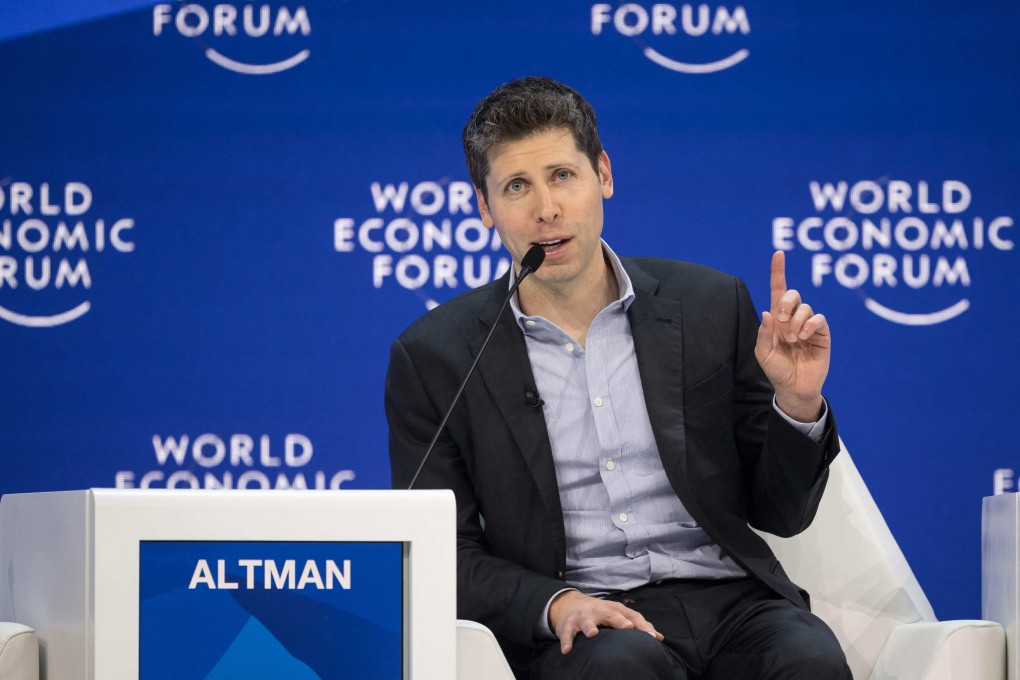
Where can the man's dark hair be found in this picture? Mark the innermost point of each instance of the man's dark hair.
(524, 107)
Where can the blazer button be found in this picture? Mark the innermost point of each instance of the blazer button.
(559, 575)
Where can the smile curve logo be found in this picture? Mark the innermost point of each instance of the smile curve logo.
(697, 69)
(907, 319)
(45, 321)
(256, 69)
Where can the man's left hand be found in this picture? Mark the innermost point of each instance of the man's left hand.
(793, 348)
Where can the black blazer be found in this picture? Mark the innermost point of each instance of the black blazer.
(728, 456)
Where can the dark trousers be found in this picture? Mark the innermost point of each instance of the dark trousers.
(734, 629)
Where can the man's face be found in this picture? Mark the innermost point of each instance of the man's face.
(542, 190)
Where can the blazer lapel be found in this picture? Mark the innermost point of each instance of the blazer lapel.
(656, 324)
(506, 371)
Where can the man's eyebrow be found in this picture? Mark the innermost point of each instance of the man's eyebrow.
(562, 164)
(547, 166)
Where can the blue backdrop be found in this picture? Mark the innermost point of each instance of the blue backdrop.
(214, 218)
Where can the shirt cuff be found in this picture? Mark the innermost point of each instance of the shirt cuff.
(813, 430)
(542, 630)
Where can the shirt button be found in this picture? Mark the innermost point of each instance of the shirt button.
(569, 347)
(598, 401)
(529, 323)
(623, 517)
(611, 465)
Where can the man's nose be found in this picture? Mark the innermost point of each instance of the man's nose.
(548, 207)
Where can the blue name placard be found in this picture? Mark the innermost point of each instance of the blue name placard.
(256, 609)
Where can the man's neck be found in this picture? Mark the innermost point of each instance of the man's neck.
(574, 306)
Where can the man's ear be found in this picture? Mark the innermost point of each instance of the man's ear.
(483, 207)
(606, 175)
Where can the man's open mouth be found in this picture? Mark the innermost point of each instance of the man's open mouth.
(549, 246)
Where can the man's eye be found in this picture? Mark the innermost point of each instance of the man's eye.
(564, 174)
(515, 187)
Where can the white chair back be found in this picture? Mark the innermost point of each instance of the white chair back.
(848, 560)
(478, 654)
(19, 652)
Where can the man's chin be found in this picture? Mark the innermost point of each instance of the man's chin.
(553, 275)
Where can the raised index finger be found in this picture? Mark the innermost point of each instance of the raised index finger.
(777, 282)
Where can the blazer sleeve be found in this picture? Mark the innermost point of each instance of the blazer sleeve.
(497, 592)
(785, 471)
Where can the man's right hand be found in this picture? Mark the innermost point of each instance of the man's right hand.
(573, 612)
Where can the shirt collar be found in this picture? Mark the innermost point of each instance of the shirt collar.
(623, 281)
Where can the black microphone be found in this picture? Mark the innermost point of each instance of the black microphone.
(532, 398)
(531, 261)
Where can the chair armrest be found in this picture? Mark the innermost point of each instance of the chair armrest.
(479, 655)
(943, 650)
(19, 652)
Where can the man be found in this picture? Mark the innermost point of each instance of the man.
(629, 420)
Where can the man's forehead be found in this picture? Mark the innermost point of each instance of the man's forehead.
(536, 146)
